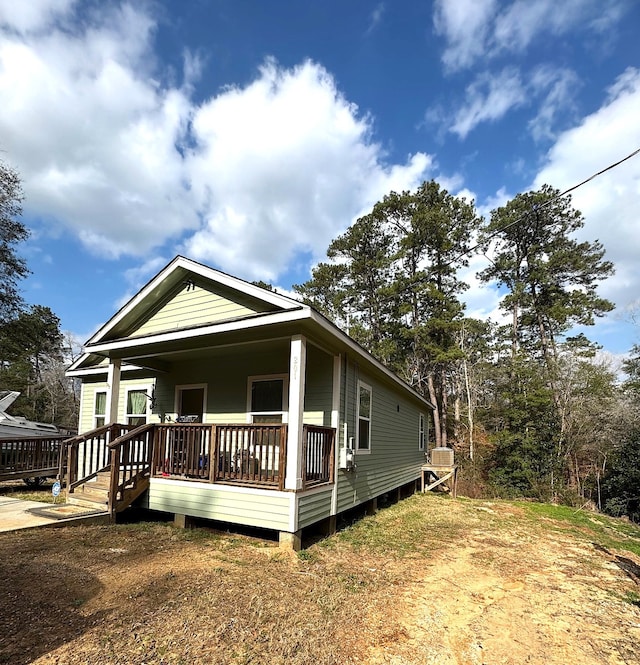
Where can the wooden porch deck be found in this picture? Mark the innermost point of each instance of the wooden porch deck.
(30, 457)
(251, 455)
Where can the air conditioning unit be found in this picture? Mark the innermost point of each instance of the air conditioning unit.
(442, 456)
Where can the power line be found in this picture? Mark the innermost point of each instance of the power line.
(547, 203)
(520, 219)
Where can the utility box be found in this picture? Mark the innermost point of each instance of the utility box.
(442, 456)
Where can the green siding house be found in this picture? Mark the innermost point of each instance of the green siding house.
(207, 396)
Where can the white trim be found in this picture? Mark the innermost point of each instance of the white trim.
(335, 423)
(190, 333)
(113, 390)
(358, 450)
(94, 415)
(285, 396)
(102, 369)
(190, 386)
(148, 389)
(83, 389)
(356, 348)
(293, 512)
(294, 311)
(422, 430)
(297, 377)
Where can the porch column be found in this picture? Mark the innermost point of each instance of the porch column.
(335, 423)
(113, 390)
(297, 372)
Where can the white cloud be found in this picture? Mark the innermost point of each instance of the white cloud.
(484, 29)
(488, 99)
(282, 166)
(482, 301)
(375, 18)
(92, 135)
(34, 15)
(465, 25)
(130, 164)
(558, 88)
(500, 198)
(490, 96)
(609, 203)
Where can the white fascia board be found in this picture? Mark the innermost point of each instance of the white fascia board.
(215, 487)
(95, 371)
(141, 295)
(77, 362)
(203, 271)
(238, 284)
(302, 312)
(358, 350)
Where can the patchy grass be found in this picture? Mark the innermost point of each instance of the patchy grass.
(604, 531)
(148, 592)
(632, 597)
(17, 489)
(401, 529)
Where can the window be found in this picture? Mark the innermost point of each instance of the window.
(137, 407)
(421, 432)
(191, 403)
(364, 418)
(100, 409)
(267, 399)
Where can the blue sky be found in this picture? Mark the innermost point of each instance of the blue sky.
(246, 135)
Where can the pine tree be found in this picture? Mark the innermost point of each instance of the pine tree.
(12, 232)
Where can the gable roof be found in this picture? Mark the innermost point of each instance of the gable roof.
(143, 314)
(188, 301)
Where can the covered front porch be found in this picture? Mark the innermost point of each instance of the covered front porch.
(113, 464)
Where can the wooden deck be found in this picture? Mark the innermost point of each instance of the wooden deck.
(30, 457)
(250, 455)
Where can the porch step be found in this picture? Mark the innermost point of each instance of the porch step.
(86, 500)
(93, 493)
(102, 481)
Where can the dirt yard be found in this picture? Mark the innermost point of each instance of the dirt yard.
(428, 580)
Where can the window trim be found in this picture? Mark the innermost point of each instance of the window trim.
(365, 386)
(285, 396)
(422, 430)
(177, 397)
(96, 415)
(146, 388)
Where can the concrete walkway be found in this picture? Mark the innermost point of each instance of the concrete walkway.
(16, 514)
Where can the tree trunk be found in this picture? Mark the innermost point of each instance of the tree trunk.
(469, 406)
(444, 404)
(436, 415)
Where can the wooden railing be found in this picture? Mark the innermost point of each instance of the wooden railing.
(87, 454)
(251, 454)
(130, 465)
(28, 457)
(182, 450)
(318, 451)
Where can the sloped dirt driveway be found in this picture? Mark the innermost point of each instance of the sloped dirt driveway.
(428, 580)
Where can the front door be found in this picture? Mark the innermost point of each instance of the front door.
(190, 404)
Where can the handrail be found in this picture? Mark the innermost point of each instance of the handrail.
(253, 454)
(130, 464)
(85, 455)
(132, 432)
